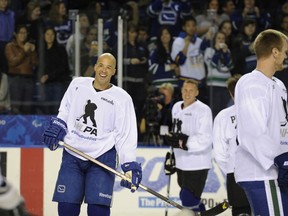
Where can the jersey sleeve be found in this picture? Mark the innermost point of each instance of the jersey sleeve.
(220, 145)
(177, 48)
(126, 131)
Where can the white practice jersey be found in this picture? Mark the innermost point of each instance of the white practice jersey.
(224, 139)
(194, 65)
(197, 124)
(97, 121)
(261, 126)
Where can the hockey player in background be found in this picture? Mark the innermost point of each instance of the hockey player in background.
(261, 161)
(111, 131)
(224, 147)
(191, 138)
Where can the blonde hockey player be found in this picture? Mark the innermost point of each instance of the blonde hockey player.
(191, 138)
(261, 162)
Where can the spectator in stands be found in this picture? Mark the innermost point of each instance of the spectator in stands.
(56, 76)
(284, 24)
(5, 104)
(32, 19)
(94, 12)
(226, 28)
(89, 51)
(70, 45)
(169, 13)
(59, 20)
(277, 11)
(283, 74)
(7, 23)
(135, 71)
(128, 11)
(219, 63)
(243, 54)
(22, 60)
(187, 54)
(210, 19)
(227, 8)
(143, 38)
(250, 11)
(161, 66)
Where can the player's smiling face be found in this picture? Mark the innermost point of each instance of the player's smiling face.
(189, 93)
(104, 70)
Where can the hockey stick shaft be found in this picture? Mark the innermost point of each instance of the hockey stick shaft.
(119, 174)
(169, 182)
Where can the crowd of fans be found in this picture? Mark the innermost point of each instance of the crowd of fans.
(165, 41)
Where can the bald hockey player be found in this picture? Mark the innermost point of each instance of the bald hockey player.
(97, 118)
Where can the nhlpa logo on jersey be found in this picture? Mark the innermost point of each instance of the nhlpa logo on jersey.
(89, 111)
(285, 163)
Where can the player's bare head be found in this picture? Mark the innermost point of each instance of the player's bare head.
(268, 42)
(104, 70)
(189, 91)
(231, 83)
(109, 56)
(191, 81)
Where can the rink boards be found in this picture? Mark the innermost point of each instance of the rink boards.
(33, 169)
(34, 172)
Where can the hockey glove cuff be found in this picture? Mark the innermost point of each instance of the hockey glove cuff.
(55, 132)
(133, 171)
(169, 165)
(177, 140)
(281, 161)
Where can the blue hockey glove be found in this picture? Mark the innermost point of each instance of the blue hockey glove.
(55, 132)
(133, 171)
(281, 161)
(177, 140)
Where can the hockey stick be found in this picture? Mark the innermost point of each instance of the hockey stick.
(211, 212)
(169, 183)
(121, 175)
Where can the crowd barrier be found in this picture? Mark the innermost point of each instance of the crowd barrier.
(33, 169)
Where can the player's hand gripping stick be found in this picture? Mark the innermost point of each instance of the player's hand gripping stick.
(211, 212)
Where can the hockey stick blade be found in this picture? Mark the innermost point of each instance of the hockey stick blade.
(218, 209)
(211, 212)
